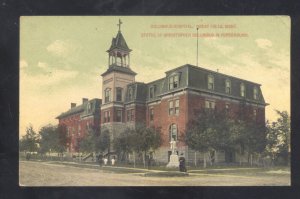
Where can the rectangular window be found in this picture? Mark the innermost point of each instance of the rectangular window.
(242, 90)
(210, 104)
(173, 82)
(171, 106)
(227, 86)
(210, 82)
(177, 107)
(119, 94)
(255, 93)
(152, 92)
(151, 111)
(130, 93)
(254, 113)
(119, 116)
(130, 115)
(107, 95)
(106, 116)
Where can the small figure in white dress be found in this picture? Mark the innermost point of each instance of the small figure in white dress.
(105, 161)
(113, 160)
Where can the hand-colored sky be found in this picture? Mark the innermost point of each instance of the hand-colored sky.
(61, 58)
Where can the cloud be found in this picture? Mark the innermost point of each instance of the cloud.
(263, 43)
(23, 63)
(50, 78)
(42, 65)
(60, 48)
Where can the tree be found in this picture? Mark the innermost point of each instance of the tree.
(145, 139)
(49, 138)
(88, 143)
(139, 139)
(63, 138)
(215, 130)
(278, 137)
(29, 142)
(103, 142)
(123, 144)
(211, 130)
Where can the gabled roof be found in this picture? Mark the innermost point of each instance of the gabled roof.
(119, 42)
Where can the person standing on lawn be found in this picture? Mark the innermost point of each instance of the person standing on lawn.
(105, 161)
(113, 160)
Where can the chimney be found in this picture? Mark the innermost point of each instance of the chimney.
(73, 105)
(84, 100)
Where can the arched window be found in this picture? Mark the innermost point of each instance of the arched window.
(173, 132)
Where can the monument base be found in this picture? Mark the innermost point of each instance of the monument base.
(174, 161)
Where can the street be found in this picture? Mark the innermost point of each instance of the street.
(33, 173)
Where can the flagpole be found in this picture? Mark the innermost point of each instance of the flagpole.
(197, 46)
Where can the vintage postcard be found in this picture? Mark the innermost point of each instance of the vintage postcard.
(154, 101)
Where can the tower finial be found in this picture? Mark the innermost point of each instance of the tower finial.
(119, 24)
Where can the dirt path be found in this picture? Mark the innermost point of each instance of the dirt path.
(46, 174)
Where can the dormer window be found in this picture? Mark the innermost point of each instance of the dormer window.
(227, 86)
(242, 90)
(210, 82)
(107, 95)
(152, 92)
(119, 94)
(255, 93)
(89, 107)
(173, 82)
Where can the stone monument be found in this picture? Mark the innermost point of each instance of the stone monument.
(174, 159)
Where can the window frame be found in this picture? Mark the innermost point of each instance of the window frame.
(119, 118)
(242, 90)
(255, 93)
(228, 87)
(130, 115)
(106, 116)
(171, 107)
(130, 93)
(107, 95)
(211, 104)
(119, 89)
(152, 92)
(151, 114)
(254, 113)
(211, 84)
(173, 82)
(176, 107)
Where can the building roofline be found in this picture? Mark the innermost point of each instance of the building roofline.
(211, 71)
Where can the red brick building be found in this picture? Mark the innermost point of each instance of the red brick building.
(79, 120)
(169, 103)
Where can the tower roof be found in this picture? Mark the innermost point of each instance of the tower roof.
(119, 43)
